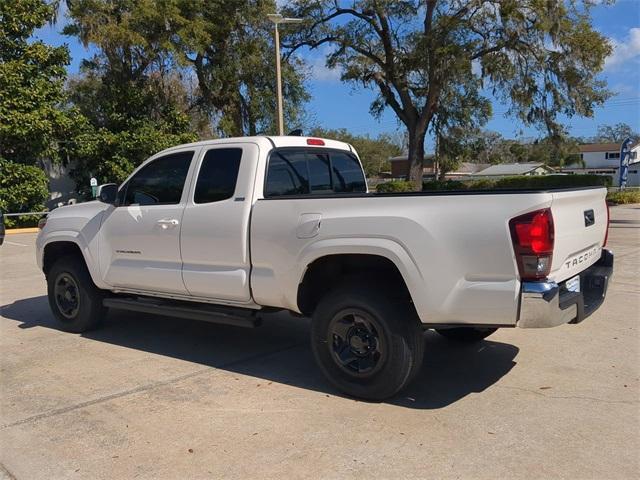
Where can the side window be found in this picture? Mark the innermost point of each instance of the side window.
(218, 175)
(287, 174)
(160, 182)
(347, 174)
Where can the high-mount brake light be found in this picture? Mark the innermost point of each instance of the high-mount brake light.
(533, 238)
(315, 141)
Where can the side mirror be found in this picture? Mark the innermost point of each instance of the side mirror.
(108, 193)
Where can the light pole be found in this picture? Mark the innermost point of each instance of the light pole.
(277, 19)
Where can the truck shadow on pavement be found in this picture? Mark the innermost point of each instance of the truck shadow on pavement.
(279, 352)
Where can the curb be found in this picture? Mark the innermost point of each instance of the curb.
(13, 231)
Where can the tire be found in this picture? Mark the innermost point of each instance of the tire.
(367, 343)
(466, 334)
(74, 299)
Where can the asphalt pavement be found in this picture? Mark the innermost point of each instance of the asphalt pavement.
(152, 397)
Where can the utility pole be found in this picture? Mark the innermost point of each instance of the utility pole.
(277, 19)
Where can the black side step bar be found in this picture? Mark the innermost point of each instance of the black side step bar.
(205, 313)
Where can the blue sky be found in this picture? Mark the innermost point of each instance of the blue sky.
(337, 105)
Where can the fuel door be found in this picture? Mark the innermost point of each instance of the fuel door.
(308, 225)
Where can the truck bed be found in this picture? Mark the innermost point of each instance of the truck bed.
(453, 248)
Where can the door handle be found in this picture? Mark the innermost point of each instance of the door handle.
(166, 223)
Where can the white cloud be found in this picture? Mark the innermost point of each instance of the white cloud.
(319, 70)
(476, 68)
(624, 51)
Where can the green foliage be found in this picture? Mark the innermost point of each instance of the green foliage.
(442, 185)
(522, 182)
(482, 146)
(33, 117)
(394, 186)
(111, 156)
(624, 197)
(134, 101)
(23, 188)
(374, 153)
(171, 72)
(504, 183)
(230, 47)
(617, 133)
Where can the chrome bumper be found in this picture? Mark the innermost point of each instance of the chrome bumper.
(547, 304)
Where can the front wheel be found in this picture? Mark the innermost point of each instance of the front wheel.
(466, 334)
(368, 344)
(74, 299)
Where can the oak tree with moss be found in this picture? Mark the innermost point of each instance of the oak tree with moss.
(540, 57)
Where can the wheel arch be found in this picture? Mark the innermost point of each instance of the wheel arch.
(59, 245)
(382, 259)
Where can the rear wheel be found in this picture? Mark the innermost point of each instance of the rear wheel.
(368, 344)
(74, 300)
(466, 334)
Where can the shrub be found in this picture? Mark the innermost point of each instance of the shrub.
(522, 183)
(435, 185)
(394, 186)
(553, 181)
(23, 188)
(624, 197)
(541, 182)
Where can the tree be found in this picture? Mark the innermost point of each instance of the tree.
(135, 102)
(458, 119)
(615, 133)
(540, 57)
(229, 45)
(171, 72)
(23, 188)
(33, 116)
(374, 153)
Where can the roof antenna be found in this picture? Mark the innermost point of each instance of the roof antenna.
(296, 133)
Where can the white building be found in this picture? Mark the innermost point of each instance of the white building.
(604, 159)
(515, 169)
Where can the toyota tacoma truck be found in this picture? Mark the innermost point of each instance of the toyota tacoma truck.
(227, 230)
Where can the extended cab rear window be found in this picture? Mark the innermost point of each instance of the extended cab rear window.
(300, 171)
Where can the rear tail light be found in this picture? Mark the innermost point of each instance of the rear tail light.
(532, 237)
(606, 233)
(315, 141)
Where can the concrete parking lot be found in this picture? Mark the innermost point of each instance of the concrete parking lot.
(148, 397)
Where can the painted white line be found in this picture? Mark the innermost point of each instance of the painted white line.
(16, 244)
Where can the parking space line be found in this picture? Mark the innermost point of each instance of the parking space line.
(16, 244)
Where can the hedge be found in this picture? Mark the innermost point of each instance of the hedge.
(23, 188)
(517, 183)
(624, 197)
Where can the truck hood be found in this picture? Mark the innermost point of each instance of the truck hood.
(77, 218)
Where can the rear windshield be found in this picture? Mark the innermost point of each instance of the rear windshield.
(304, 171)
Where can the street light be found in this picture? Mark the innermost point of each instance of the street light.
(277, 19)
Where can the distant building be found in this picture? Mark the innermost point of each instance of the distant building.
(466, 170)
(604, 159)
(400, 166)
(513, 169)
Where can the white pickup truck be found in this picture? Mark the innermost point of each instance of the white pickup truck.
(225, 230)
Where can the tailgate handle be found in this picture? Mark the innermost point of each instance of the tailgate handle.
(589, 218)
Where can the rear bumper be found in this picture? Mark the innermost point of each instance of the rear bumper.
(547, 304)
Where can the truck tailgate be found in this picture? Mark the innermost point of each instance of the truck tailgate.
(580, 222)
